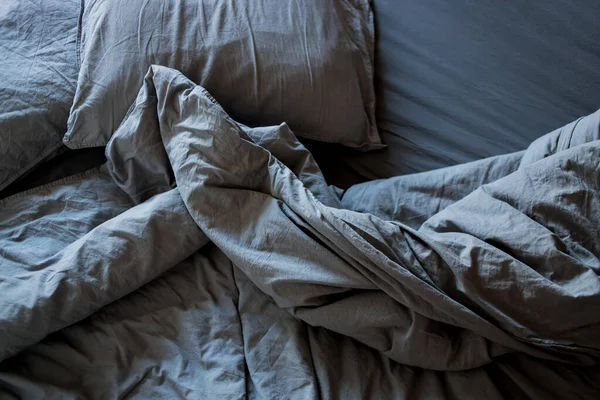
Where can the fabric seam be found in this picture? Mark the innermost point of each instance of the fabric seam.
(85, 174)
(23, 170)
(79, 33)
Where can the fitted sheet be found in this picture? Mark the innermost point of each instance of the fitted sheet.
(459, 80)
(209, 259)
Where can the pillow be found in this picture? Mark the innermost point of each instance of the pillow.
(307, 63)
(38, 76)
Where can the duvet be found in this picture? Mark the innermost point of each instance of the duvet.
(207, 259)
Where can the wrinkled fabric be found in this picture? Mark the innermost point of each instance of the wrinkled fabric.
(38, 75)
(64, 165)
(301, 293)
(266, 61)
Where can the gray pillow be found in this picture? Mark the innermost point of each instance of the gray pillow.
(307, 63)
(38, 75)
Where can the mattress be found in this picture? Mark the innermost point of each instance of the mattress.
(459, 81)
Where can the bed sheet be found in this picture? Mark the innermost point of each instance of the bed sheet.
(459, 81)
(68, 163)
(209, 259)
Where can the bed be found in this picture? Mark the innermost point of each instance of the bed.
(287, 199)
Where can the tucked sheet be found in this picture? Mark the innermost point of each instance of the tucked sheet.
(299, 295)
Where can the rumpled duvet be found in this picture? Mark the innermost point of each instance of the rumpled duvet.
(208, 259)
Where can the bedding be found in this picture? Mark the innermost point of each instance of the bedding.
(458, 80)
(265, 61)
(66, 164)
(210, 259)
(38, 75)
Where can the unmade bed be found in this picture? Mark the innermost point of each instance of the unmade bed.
(172, 235)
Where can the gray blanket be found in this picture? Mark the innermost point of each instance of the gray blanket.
(208, 259)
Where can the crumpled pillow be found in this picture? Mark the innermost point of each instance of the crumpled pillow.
(38, 78)
(306, 63)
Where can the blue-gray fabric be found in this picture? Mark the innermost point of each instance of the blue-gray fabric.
(67, 163)
(266, 61)
(208, 259)
(38, 76)
(461, 80)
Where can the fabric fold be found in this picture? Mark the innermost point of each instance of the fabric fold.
(500, 256)
(309, 255)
